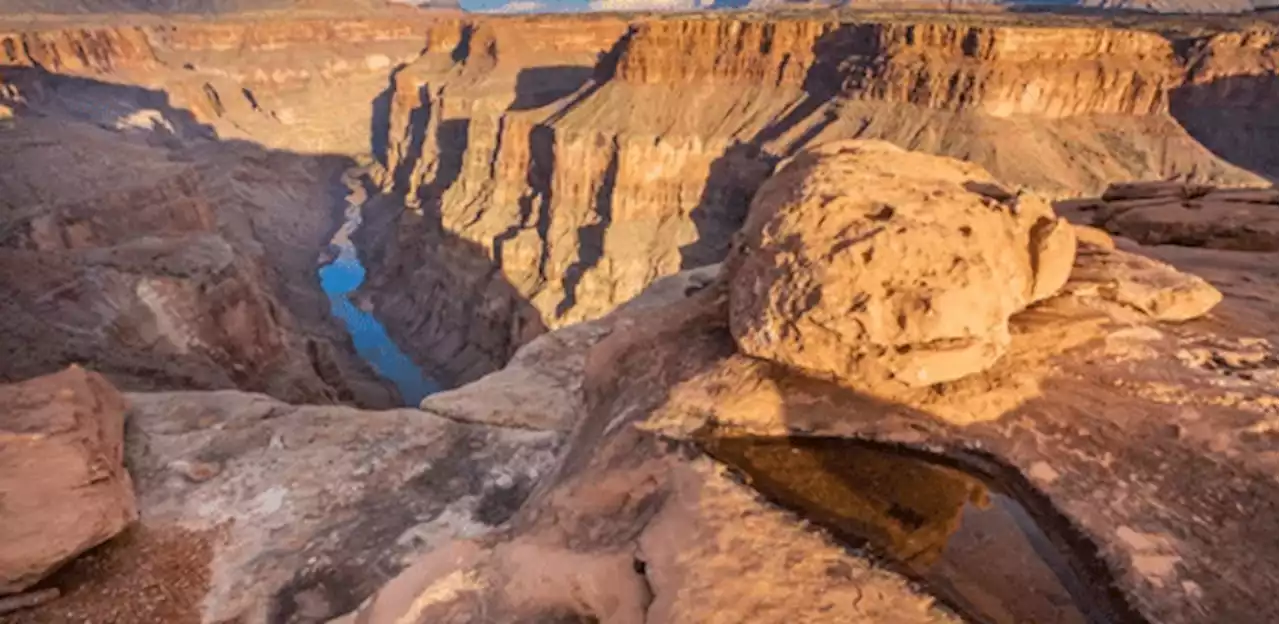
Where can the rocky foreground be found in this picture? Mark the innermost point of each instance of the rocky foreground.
(644, 242)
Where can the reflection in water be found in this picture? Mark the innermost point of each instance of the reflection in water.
(977, 550)
(339, 279)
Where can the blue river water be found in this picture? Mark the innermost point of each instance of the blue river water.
(339, 279)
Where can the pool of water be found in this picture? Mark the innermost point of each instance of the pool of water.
(341, 277)
(973, 546)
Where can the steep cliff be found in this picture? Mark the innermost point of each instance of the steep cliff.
(572, 205)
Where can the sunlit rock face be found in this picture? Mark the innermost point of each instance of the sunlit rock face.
(890, 270)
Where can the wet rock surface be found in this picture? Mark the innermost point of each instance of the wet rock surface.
(937, 524)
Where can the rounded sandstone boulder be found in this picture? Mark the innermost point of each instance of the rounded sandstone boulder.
(887, 269)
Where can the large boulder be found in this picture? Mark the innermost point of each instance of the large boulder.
(63, 485)
(890, 270)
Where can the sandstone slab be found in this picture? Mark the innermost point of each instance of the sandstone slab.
(63, 485)
(1184, 214)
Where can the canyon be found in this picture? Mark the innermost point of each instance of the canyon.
(621, 246)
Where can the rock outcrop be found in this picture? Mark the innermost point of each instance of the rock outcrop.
(1188, 215)
(1090, 375)
(889, 270)
(310, 508)
(646, 164)
(63, 484)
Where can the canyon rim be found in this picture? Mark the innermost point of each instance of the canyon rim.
(313, 312)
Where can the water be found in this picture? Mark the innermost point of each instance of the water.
(974, 547)
(341, 277)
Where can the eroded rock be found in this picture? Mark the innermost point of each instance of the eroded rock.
(1186, 214)
(890, 270)
(1153, 288)
(316, 506)
(63, 485)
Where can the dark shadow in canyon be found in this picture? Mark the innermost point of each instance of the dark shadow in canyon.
(538, 86)
(736, 175)
(99, 319)
(897, 490)
(52, 301)
(591, 236)
(99, 103)
(451, 147)
(441, 297)
(1233, 117)
(604, 70)
(542, 164)
(417, 137)
(380, 120)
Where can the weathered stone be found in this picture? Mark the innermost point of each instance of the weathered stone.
(860, 256)
(63, 485)
(1091, 236)
(315, 503)
(1148, 286)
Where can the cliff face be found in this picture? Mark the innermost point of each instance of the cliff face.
(130, 265)
(309, 85)
(572, 188)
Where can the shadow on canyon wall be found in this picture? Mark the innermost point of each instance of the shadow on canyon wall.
(737, 174)
(538, 86)
(380, 120)
(591, 236)
(99, 103)
(1233, 117)
(449, 305)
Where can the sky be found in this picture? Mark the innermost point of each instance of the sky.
(524, 6)
(530, 6)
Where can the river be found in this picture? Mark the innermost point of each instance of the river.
(339, 278)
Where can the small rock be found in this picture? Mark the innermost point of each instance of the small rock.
(1043, 472)
(196, 471)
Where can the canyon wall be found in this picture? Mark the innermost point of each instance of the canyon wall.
(143, 236)
(569, 184)
(309, 85)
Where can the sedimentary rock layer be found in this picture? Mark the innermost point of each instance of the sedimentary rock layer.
(572, 183)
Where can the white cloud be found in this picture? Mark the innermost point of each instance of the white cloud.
(519, 6)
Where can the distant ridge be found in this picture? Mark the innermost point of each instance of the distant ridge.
(213, 7)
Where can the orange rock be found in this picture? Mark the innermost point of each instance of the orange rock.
(63, 483)
(888, 269)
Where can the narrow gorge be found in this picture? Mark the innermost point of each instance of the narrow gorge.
(416, 316)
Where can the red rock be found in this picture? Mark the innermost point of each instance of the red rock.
(63, 485)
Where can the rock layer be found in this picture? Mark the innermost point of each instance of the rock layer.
(647, 162)
(1189, 215)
